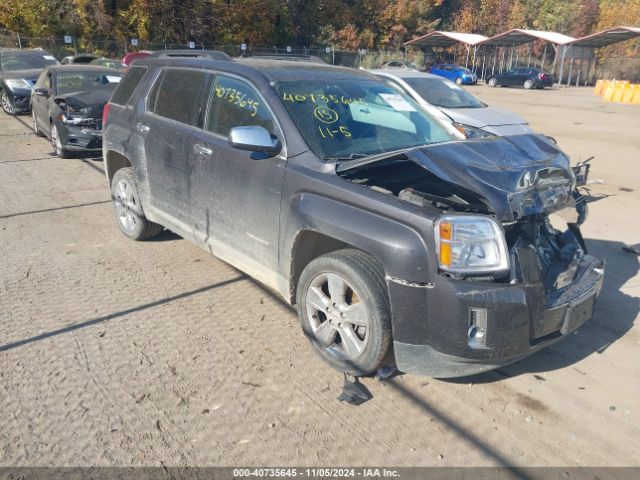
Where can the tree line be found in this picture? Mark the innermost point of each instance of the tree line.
(343, 24)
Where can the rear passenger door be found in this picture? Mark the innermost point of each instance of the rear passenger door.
(237, 192)
(175, 108)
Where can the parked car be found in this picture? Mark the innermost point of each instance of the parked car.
(526, 77)
(130, 57)
(343, 196)
(67, 104)
(399, 64)
(455, 73)
(19, 70)
(80, 59)
(455, 105)
(107, 62)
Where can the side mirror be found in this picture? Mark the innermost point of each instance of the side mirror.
(255, 139)
(41, 92)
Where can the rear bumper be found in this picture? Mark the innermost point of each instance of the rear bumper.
(433, 325)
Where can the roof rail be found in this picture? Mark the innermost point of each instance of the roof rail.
(211, 54)
(294, 57)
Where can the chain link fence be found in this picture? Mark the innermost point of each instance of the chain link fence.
(113, 49)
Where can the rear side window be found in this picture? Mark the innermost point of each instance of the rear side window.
(178, 95)
(234, 103)
(126, 87)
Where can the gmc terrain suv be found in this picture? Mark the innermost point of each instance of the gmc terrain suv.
(396, 242)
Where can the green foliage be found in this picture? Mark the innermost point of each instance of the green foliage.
(344, 24)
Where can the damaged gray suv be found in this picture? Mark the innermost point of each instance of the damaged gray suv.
(396, 242)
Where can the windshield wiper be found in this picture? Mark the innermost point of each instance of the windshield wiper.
(351, 164)
(351, 156)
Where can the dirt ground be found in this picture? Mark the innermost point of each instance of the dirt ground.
(114, 352)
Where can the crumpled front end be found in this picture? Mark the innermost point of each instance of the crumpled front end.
(467, 322)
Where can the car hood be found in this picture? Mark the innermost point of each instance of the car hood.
(31, 74)
(88, 98)
(513, 176)
(483, 117)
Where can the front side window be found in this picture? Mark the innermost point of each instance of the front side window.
(179, 96)
(443, 93)
(343, 119)
(234, 103)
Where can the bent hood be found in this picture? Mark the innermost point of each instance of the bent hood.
(516, 176)
(89, 98)
(483, 117)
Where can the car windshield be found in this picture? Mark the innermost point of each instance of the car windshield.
(69, 82)
(348, 119)
(25, 62)
(442, 93)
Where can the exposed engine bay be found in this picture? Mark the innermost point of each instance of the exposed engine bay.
(521, 198)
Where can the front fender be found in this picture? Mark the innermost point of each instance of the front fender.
(400, 248)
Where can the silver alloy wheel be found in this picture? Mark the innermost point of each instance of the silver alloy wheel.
(528, 84)
(126, 205)
(459, 81)
(6, 104)
(338, 318)
(493, 82)
(55, 140)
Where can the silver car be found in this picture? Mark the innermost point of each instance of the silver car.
(452, 104)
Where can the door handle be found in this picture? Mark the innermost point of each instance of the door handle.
(202, 150)
(142, 128)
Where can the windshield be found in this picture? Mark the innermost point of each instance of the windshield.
(69, 82)
(442, 93)
(26, 62)
(351, 119)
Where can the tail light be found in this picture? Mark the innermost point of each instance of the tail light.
(105, 114)
(541, 76)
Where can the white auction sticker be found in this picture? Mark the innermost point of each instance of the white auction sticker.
(113, 79)
(398, 103)
(48, 57)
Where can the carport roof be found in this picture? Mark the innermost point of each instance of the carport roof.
(607, 37)
(446, 39)
(518, 36)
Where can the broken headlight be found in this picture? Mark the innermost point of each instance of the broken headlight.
(472, 132)
(467, 244)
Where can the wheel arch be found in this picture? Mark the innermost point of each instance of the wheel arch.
(114, 161)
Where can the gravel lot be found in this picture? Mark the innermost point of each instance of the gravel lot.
(114, 352)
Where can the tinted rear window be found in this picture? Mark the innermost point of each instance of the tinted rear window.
(180, 96)
(125, 89)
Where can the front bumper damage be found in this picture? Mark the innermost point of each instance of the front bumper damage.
(81, 138)
(20, 100)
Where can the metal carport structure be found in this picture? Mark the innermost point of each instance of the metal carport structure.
(439, 39)
(598, 40)
(516, 37)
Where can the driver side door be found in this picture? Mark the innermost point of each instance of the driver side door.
(236, 193)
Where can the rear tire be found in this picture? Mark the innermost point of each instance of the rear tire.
(492, 82)
(459, 81)
(343, 308)
(127, 208)
(36, 129)
(528, 84)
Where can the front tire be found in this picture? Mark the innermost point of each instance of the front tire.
(56, 142)
(127, 208)
(6, 103)
(343, 308)
(493, 82)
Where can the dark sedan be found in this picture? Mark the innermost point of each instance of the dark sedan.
(19, 70)
(526, 77)
(67, 104)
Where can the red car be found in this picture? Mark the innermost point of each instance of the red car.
(130, 57)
